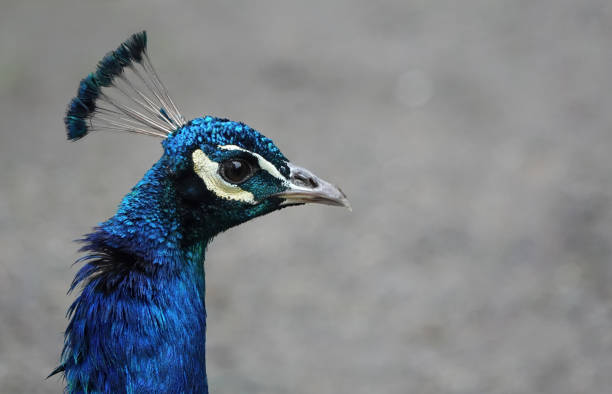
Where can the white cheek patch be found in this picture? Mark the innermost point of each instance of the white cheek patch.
(208, 170)
(263, 163)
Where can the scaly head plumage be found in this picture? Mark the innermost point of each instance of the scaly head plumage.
(144, 278)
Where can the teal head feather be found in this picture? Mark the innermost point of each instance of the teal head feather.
(139, 321)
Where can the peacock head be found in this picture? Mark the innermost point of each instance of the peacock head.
(221, 172)
(226, 173)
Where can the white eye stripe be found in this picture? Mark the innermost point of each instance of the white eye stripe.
(208, 170)
(263, 163)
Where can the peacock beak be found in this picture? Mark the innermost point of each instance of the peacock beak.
(306, 187)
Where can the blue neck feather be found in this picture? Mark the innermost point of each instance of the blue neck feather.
(140, 321)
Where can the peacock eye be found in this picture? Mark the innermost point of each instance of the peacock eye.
(236, 170)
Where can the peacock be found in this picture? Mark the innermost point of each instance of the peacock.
(138, 324)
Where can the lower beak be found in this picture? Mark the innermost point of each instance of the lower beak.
(306, 187)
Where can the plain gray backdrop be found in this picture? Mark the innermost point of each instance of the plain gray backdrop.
(472, 138)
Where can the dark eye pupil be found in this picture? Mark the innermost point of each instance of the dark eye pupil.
(235, 170)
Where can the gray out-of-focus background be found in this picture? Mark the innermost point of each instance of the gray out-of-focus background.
(474, 141)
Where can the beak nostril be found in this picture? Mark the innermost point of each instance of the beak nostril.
(304, 180)
(298, 180)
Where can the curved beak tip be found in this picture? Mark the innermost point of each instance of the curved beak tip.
(344, 200)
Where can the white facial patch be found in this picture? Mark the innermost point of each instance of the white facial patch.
(208, 170)
(263, 163)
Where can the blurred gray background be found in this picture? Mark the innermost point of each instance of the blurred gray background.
(472, 137)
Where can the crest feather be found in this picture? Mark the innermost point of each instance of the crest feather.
(125, 94)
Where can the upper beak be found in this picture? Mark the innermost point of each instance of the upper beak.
(306, 187)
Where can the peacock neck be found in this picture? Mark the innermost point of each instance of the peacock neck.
(139, 324)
